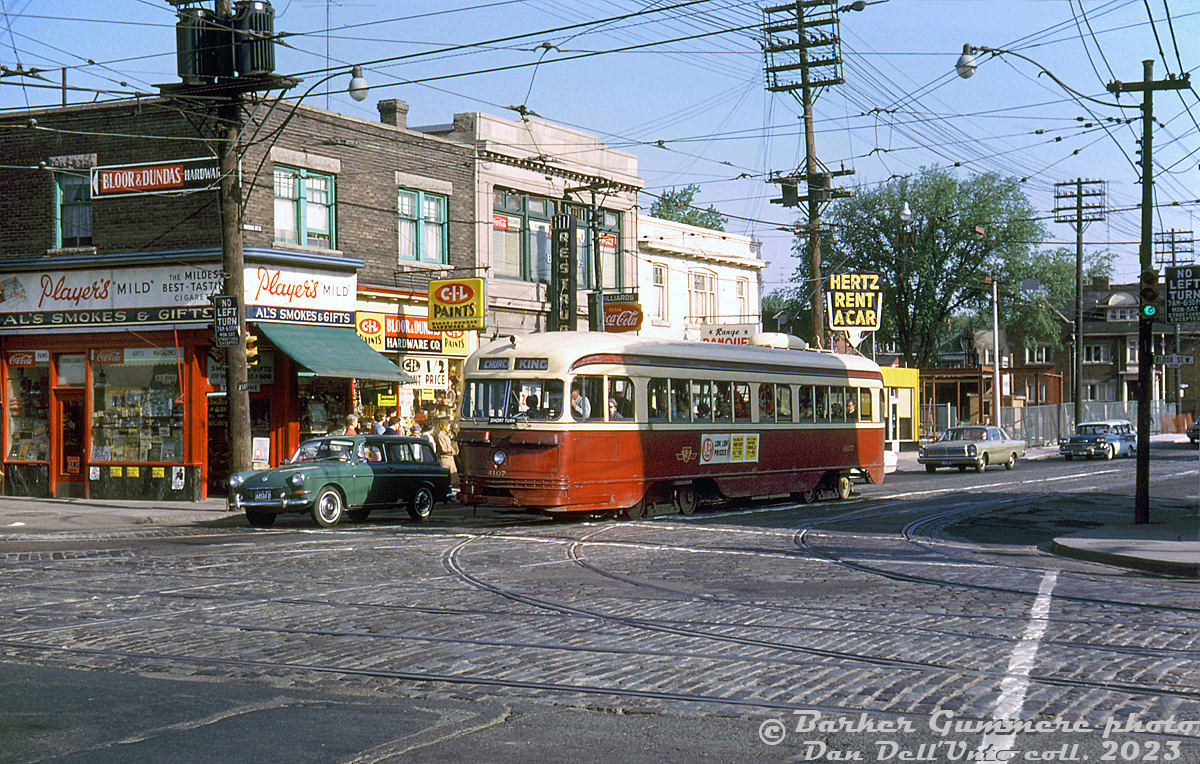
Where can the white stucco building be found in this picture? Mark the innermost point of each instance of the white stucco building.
(690, 278)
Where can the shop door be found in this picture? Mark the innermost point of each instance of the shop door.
(71, 418)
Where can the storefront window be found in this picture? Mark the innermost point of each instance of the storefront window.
(323, 405)
(28, 410)
(137, 411)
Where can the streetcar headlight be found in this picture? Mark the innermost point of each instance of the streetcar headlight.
(297, 479)
(499, 458)
(235, 481)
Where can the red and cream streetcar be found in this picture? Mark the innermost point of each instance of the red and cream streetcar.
(589, 422)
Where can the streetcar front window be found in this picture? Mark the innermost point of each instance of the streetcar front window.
(513, 398)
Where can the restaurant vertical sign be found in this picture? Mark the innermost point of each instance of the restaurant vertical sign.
(564, 300)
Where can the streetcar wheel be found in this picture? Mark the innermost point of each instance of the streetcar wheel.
(843, 487)
(1110, 452)
(358, 515)
(805, 496)
(930, 469)
(637, 511)
(686, 499)
(259, 519)
(328, 508)
(420, 506)
(981, 465)
(1012, 461)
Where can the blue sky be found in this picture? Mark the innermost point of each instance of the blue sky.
(682, 86)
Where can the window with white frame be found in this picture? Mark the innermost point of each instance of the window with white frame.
(74, 210)
(1039, 354)
(1131, 350)
(742, 292)
(304, 204)
(702, 294)
(659, 280)
(422, 227)
(1122, 314)
(1096, 354)
(521, 238)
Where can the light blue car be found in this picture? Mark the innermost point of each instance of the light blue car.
(1102, 439)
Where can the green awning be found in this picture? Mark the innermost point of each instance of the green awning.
(333, 351)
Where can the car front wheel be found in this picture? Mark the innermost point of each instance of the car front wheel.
(1012, 461)
(981, 465)
(1111, 451)
(328, 508)
(420, 506)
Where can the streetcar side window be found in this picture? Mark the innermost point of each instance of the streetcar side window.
(657, 397)
(821, 403)
(806, 403)
(587, 398)
(783, 403)
(681, 401)
(865, 409)
(723, 402)
(837, 404)
(620, 398)
(702, 407)
(766, 402)
(741, 402)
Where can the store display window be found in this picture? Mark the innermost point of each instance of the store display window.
(28, 408)
(137, 409)
(324, 403)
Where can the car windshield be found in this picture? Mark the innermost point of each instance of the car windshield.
(323, 450)
(1093, 429)
(964, 433)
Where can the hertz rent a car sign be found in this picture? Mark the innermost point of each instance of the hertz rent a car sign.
(854, 304)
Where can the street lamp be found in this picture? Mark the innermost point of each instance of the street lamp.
(358, 85)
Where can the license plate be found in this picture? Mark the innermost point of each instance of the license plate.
(262, 495)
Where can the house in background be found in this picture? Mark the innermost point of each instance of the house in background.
(692, 280)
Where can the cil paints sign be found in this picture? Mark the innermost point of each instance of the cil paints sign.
(456, 305)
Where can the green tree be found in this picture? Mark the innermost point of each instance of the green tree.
(677, 205)
(1041, 313)
(963, 230)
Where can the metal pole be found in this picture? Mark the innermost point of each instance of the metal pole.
(995, 354)
(1078, 300)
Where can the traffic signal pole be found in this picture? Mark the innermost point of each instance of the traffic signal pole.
(1141, 503)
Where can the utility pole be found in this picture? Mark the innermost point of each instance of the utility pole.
(1141, 505)
(804, 36)
(1175, 243)
(1088, 207)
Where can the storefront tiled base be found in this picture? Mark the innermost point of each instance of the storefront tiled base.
(147, 483)
(27, 480)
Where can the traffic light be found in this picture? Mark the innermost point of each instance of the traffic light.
(1148, 291)
(251, 349)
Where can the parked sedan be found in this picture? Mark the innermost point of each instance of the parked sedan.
(1106, 438)
(974, 446)
(339, 476)
(1193, 431)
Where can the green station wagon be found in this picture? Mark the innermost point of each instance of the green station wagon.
(344, 475)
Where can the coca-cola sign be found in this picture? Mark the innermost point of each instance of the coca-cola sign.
(622, 317)
(21, 358)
